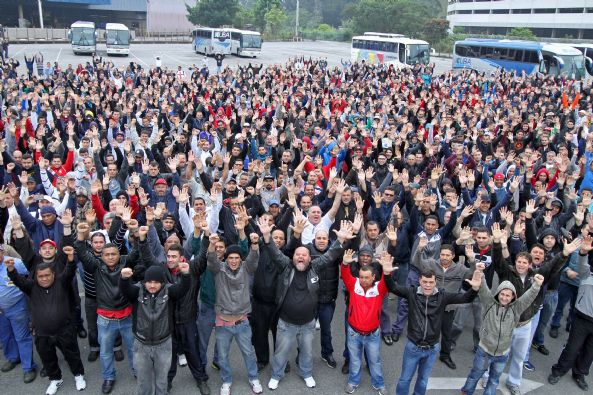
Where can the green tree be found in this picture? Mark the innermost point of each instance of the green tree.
(244, 16)
(262, 7)
(213, 12)
(275, 19)
(388, 16)
(522, 33)
(435, 29)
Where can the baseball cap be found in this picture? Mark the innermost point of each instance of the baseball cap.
(48, 241)
(274, 201)
(160, 181)
(499, 176)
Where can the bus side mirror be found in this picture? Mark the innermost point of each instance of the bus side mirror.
(589, 65)
(542, 66)
(69, 34)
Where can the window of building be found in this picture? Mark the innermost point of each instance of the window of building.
(589, 10)
(464, 11)
(501, 11)
(588, 34)
(544, 10)
(481, 11)
(521, 11)
(567, 33)
(570, 10)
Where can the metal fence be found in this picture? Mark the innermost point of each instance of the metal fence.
(51, 35)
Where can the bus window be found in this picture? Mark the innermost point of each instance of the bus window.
(486, 52)
(518, 55)
(461, 50)
(402, 53)
(531, 57)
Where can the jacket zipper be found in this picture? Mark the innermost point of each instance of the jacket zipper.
(425, 317)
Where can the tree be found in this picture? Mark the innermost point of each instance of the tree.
(262, 7)
(275, 19)
(213, 12)
(435, 29)
(522, 33)
(388, 16)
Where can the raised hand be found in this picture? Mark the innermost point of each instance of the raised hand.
(377, 198)
(569, 248)
(386, 262)
(69, 251)
(538, 279)
(476, 280)
(264, 227)
(142, 232)
(254, 239)
(496, 232)
(126, 273)
(357, 224)
(345, 232)
(422, 243)
(391, 233)
(66, 218)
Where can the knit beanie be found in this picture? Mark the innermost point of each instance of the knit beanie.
(154, 273)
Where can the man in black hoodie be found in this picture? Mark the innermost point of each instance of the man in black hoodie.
(49, 301)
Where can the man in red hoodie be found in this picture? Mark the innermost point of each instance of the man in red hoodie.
(364, 310)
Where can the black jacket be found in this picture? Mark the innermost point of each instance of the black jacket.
(50, 307)
(153, 313)
(507, 271)
(109, 296)
(286, 269)
(425, 313)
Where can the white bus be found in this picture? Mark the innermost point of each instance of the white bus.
(83, 37)
(245, 42)
(211, 41)
(117, 39)
(587, 51)
(385, 48)
(489, 56)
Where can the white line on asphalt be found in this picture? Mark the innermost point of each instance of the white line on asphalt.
(132, 53)
(455, 383)
(59, 53)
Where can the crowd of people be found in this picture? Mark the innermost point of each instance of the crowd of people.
(255, 199)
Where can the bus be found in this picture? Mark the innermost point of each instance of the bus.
(488, 55)
(117, 39)
(587, 51)
(385, 48)
(83, 37)
(245, 42)
(211, 41)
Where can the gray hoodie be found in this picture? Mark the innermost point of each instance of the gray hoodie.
(584, 304)
(498, 322)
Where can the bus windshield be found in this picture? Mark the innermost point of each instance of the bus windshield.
(573, 64)
(251, 41)
(83, 36)
(118, 37)
(419, 53)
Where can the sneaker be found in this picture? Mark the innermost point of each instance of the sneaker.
(53, 387)
(181, 360)
(317, 325)
(346, 367)
(273, 384)
(256, 386)
(554, 332)
(541, 348)
(215, 365)
(513, 389)
(310, 381)
(330, 361)
(483, 382)
(380, 391)
(202, 387)
(93, 356)
(80, 382)
(225, 389)
(350, 388)
(553, 379)
(29, 376)
(580, 380)
(9, 365)
(528, 366)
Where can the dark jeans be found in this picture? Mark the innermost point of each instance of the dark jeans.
(185, 339)
(566, 292)
(550, 303)
(446, 333)
(578, 352)
(263, 319)
(66, 341)
(325, 313)
(402, 304)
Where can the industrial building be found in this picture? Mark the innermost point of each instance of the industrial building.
(571, 19)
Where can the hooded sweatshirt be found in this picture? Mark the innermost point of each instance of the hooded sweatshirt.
(498, 322)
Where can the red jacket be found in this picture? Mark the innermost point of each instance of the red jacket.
(364, 309)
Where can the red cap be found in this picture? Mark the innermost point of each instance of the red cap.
(160, 181)
(48, 241)
(499, 176)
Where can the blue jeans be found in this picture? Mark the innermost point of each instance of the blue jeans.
(566, 292)
(550, 303)
(520, 343)
(286, 335)
(484, 362)
(534, 323)
(15, 335)
(108, 330)
(325, 312)
(242, 334)
(357, 345)
(206, 320)
(416, 358)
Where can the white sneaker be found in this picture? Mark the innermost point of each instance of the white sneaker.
(273, 384)
(53, 387)
(483, 382)
(310, 381)
(80, 382)
(256, 386)
(182, 360)
(317, 325)
(225, 389)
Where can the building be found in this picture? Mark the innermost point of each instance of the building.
(139, 15)
(546, 18)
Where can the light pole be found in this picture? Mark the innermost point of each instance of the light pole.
(40, 14)
(296, 27)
